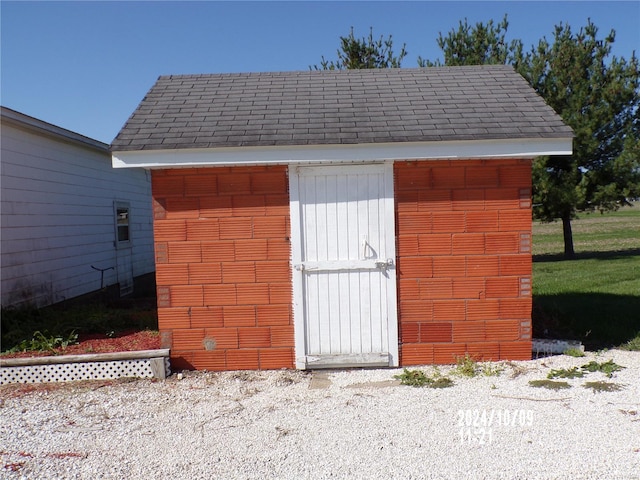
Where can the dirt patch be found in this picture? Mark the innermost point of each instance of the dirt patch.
(97, 343)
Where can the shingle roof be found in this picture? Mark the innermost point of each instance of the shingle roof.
(338, 107)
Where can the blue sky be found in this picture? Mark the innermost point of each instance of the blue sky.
(86, 65)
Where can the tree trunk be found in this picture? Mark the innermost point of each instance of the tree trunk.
(568, 236)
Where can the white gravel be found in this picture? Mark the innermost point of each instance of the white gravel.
(259, 425)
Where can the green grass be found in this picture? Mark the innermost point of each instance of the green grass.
(594, 298)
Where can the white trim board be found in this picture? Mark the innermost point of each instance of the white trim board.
(370, 152)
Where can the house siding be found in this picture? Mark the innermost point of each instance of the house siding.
(464, 259)
(223, 267)
(58, 217)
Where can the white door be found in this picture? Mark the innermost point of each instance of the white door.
(343, 256)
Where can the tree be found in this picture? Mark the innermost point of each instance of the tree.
(478, 45)
(594, 93)
(364, 53)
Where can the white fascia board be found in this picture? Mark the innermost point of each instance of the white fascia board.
(313, 154)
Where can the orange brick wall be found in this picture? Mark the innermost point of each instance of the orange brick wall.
(222, 267)
(464, 259)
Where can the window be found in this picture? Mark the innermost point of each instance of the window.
(123, 217)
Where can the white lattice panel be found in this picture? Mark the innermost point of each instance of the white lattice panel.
(67, 372)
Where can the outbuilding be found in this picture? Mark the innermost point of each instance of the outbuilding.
(342, 218)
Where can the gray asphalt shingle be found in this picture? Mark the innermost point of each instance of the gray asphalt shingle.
(338, 107)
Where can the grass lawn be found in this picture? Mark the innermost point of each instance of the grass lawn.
(596, 297)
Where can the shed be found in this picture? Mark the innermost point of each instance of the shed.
(342, 218)
(64, 211)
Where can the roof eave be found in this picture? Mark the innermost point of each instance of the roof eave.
(370, 152)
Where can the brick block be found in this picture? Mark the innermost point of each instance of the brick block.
(415, 267)
(164, 296)
(255, 337)
(469, 288)
(502, 199)
(232, 228)
(238, 272)
(252, 293)
(270, 315)
(206, 317)
(436, 288)
(406, 201)
(448, 222)
(166, 186)
(248, 205)
(280, 293)
(270, 227)
(485, 309)
(482, 176)
(181, 361)
(169, 230)
(497, 330)
(251, 249)
(416, 354)
(187, 296)
(275, 358)
(413, 223)
(500, 243)
(484, 351)
(215, 206)
(270, 182)
(448, 177)
(220, 294)
(282, 336)
(239, 316)
(482, 266)
(161, 250)
(435, 332)
(516, 176)
(224, 338)
(471, 199)
(502, 287)
(173, 318)
(205, 273)
(467, 244)
(410, 333)
(409, 289)
(203, 229)
(188, 340)
(172, 274)
(470, 331)
(220, 251)
(449, 310)
(234, 183)
(514, 220)
(407, 245)
(435, 200)
(434, 244)
(159, 208)
(448, 353)
(278, 271)
(212, 361)
(277, 205)
(416, 311)
(412, 177)
(184, 252)
(515, 308)
(519, 265)
(515, 350)
(246, 359)
(450, 266)
(278, 249)
(481, 222)
(182, 208)
(198, 185)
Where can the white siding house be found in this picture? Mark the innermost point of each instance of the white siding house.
(71, 224)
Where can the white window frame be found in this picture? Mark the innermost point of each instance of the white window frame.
(117, 207)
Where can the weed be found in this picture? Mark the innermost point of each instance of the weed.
(46, 342)
(492, 370)
(601, 386)
(608, 368)
(633, 344)
(550, 384)
(564, 373)
(466, 366)
(417, 378)
(574, 352)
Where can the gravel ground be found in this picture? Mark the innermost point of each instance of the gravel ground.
(337, 424)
